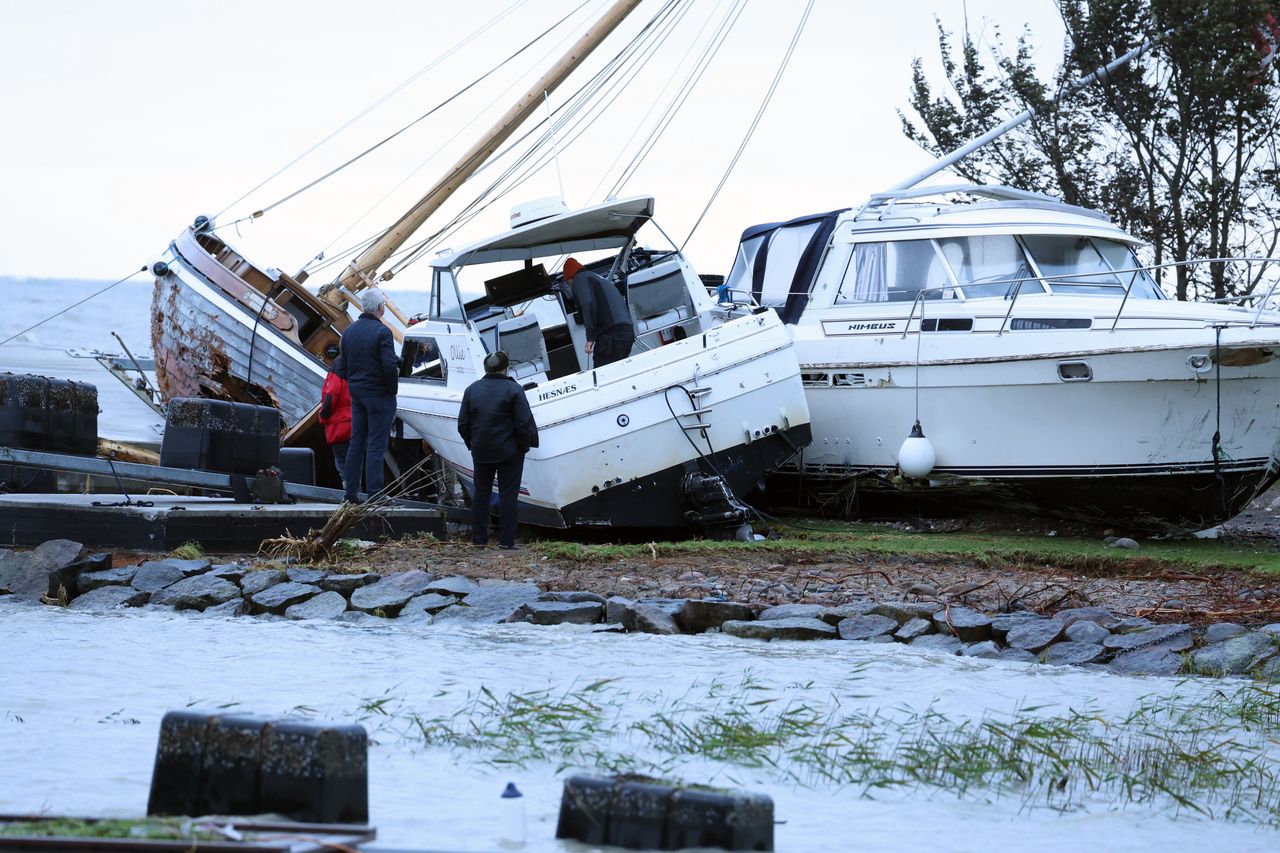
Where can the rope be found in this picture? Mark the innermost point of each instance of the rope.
(69, 307)
(1217, 432)
(786, 60)
(257, 213)
(379, 102)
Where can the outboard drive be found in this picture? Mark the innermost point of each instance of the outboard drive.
(710, 501)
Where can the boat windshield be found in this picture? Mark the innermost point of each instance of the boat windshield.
(895, 272)
(993, 265)
(445, 304)
(1089, 265)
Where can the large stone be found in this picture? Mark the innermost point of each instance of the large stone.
(1087, 632)
(365, 620)
(616, 609)
(326, 605)
(233, 572)
(914, 628)
(904, 611)
(1018, 656)
(64, 583)
(1146, 662)
(559, 613)
(697, 616)
(1129, 624)
(232, 608)
(795, 628)
(942, 644)
(391, 593)
(1004, 623)
(866, 627)
(255, 582)
(1233, 657)
(306, 574)
(840, 612)
(196, 593)
(572, 596)
(188, 567)
(52, 557)
(792, 611)
(347, 584)
(452, 585)
(1069, 616)
(1174, 638)
(90, 581)
(109, 598)
(430, 603)
(1035, 634)
(1223, 631)
(280, 597)
(155, 576)
(1270, 670)
(493, 602)
(646, 618)
(25, 576)
(986, 649)
(967, 624)
(1072, 654)
(1272, 628)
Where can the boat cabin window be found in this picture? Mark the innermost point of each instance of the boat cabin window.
(421, 359)
(445, 302)
(894, 272)
(1084, 268)
(740, 277)
(785, 249)
(994, 265)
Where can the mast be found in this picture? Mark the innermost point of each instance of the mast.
(360, 273)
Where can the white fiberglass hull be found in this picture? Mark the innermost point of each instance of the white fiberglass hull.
(614, 447)
(1093, 423)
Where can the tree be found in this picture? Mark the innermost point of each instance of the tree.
(1178, 146)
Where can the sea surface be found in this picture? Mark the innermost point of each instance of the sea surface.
(455, 712)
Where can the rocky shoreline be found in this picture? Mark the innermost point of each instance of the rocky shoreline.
(60, 573)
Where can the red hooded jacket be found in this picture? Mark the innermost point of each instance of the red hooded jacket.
(335, 409)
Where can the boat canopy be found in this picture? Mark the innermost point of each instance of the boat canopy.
(777, 260)
(604, 226)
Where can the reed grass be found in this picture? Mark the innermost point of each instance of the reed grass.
(1216, 759)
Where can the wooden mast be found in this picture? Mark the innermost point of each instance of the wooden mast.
(360, 273)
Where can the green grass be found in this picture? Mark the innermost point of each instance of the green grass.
(1215, 759)
(190, 550)
(835, 540)
(155, 829)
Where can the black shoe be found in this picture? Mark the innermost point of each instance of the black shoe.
(508, 547)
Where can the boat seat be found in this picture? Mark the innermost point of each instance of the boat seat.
(659, 297)
(521, 339)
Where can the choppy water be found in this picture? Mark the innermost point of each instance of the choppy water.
(82, 696)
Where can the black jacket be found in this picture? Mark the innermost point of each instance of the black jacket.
(601, 304)
(369, 359)
(495, 420)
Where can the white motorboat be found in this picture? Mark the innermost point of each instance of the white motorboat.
(676, 435)
(1047, 368)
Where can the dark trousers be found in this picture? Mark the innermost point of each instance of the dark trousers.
(614, 344)
(371, 419)
(339, 449)
(508, 472)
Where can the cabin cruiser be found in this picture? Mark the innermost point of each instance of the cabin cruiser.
(1047, 370)
(678, 434)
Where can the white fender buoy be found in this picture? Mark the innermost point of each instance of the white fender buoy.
(916, 456)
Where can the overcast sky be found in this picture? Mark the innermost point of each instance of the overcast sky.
(124, 120)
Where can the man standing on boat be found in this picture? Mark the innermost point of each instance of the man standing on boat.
(498, 427)
(372, 372)
(604, 313)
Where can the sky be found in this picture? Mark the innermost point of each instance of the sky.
(125, 120)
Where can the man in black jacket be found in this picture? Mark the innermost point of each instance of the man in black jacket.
(372, 372)
(498, 428)
(610, 333)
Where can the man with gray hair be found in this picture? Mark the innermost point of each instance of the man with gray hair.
(372, 372)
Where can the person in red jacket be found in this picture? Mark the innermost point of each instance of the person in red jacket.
(335, 415)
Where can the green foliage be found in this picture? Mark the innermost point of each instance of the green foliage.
(1178, 146)
(189, 551)
(152, 829)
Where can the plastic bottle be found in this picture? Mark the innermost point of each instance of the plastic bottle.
(512, 817)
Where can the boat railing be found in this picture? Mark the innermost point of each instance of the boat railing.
(1134, 275)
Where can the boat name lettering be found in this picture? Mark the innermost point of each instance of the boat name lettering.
(557, 392)
(847, 327)
(457, 353)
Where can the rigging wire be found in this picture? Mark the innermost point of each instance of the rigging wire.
(764, 104)
(72, 305)
(377, 103)
(650, 33)
(372, 148)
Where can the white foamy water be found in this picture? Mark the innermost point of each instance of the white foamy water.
(82, 697)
